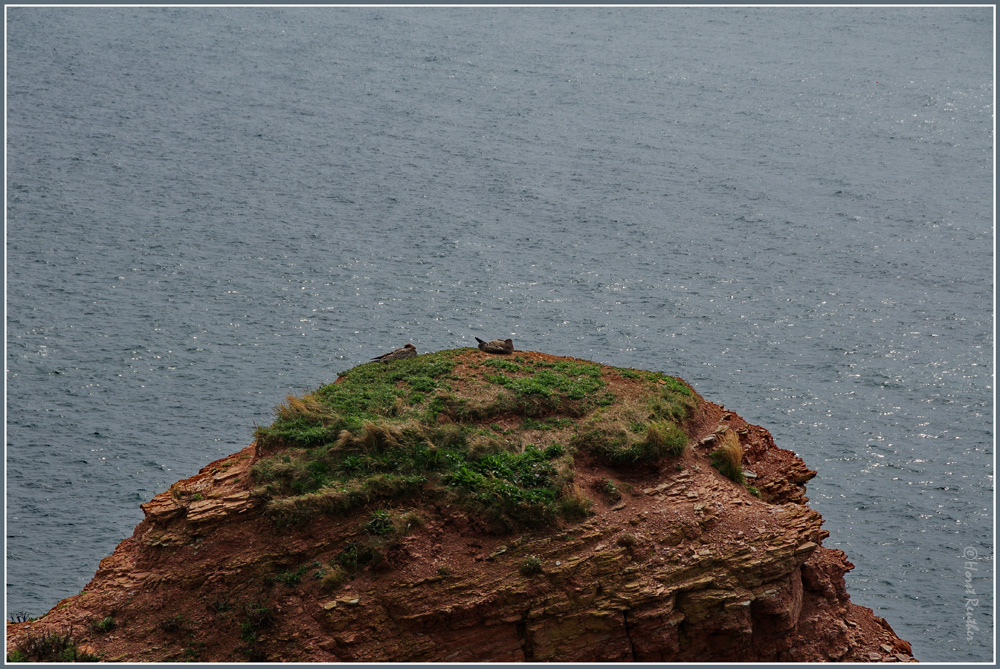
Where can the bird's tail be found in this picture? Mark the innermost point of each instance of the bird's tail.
(480, 340)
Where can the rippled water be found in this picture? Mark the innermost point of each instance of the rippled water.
(792, 209)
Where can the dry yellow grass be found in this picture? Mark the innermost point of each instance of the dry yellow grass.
(307, 406)
(728, 457)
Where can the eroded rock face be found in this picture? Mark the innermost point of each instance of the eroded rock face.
(687, 566)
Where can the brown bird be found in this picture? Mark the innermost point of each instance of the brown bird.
(502, 346)
(408, 351)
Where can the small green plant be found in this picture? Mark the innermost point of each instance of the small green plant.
(604, 399)
(380, 523)
(554, 451)
(291, 578)
(753, 491)
(356, 556)
(610, 488)
(673, 401)
(103, 625)
(444, 571)
(530, 566)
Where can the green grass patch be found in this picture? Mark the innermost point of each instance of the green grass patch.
(672, 405)
(387, 434)
(666, 437)
(617, 446)
(504, 487)
(517, 486)
(540, 387)
(610, 444)
(506, 365)
(368, 393)
(551, 382)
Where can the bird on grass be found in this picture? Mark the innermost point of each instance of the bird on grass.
(502, 346)
(408, 351)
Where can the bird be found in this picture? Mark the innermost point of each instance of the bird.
(408, 351)
(502, 346)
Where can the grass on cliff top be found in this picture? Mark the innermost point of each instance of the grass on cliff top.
(496, 435)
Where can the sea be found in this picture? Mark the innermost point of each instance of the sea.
(791, 208)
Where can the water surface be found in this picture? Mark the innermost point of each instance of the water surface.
(791, 208)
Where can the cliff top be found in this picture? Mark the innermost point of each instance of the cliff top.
(463, 506)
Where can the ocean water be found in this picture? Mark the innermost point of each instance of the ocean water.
(790, 208)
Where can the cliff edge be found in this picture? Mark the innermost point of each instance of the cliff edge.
(466, 507)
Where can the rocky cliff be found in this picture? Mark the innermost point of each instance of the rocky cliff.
(464, 507)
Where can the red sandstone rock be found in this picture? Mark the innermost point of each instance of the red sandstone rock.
(711, 573)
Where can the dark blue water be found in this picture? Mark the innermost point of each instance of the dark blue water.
(791, 208)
